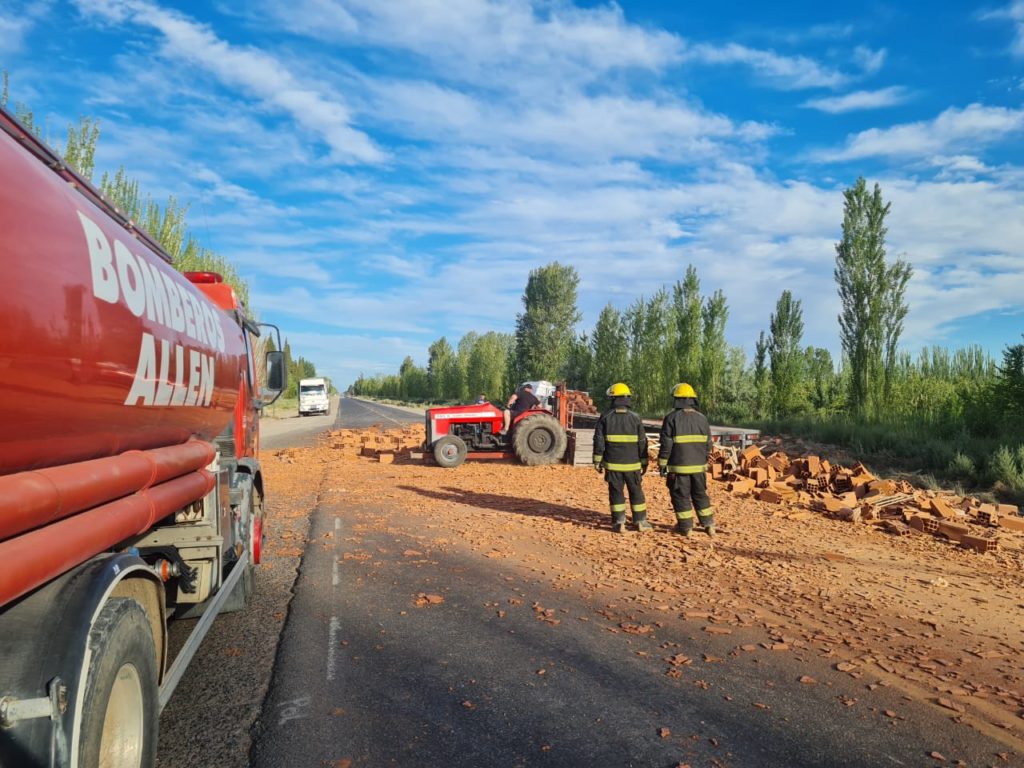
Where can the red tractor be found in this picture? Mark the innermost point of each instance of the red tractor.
(535, 437)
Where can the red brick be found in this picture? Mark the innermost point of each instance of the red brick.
(386, 457)
(942, 509)
(813, 466)
(980, 543)
(954, 531)
(741, 486)
(750, 452)
(924, 523)
(1012, 523)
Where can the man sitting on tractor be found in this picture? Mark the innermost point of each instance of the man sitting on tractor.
(521, 400)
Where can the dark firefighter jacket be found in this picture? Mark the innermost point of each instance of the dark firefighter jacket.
(620, 442)
(685, 442)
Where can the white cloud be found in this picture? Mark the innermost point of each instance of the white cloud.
(255, 72)
(12, 34)
(869, 60)
(475, 40)
(973, 125)
(1014, 12)
(16, 20)
(859, 100)
(784, 72)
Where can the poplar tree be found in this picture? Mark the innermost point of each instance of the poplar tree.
(440, 360)
(486, 369)
(610, 352)
(872, 295)
(713, 351)
(547, 326)
(787, 360)
(762, 381)
(689, 327)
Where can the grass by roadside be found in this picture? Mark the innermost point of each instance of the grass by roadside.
(283, 407)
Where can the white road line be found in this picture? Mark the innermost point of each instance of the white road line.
(335, 575)
(337, 523)
(332, 647)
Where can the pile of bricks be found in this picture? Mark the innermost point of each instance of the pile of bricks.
(580, 402)
(377, 442)
(856, 495)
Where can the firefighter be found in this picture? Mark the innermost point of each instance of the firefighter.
(620, 449)
(683, 459)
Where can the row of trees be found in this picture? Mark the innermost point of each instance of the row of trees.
(679, 334)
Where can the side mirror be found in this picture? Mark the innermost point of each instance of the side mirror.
(277, 376)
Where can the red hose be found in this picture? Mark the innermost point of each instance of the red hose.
(39, 497)
(34, 558)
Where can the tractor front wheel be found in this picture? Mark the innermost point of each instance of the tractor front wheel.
(449, 451)
(538, 440)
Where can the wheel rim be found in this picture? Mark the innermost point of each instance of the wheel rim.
(450, 452)
(124, 724)
(540, 440)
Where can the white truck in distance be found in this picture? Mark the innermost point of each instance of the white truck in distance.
(313, 397)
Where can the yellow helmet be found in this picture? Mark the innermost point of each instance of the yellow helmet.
(618, 390)
(683, 390)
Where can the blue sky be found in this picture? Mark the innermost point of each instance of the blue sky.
(385, 172)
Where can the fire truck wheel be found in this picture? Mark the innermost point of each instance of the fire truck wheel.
(539, 440)
(120, 710)
(449, 451)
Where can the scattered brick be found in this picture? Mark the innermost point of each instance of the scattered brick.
(981, 544)
(1012, 523)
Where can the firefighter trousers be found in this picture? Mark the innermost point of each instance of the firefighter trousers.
(689, 493)
(617, 499)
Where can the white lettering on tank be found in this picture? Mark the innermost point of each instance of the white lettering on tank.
(178, 398)
(145, 374)
(186, 307)
(194, 374)
(177, 315)
(197, 314)
(104, 279)
(207, 397)
(156, 292)
(128, 274)
(164, 389)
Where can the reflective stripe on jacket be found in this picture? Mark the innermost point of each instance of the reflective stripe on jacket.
(620, 442)
(685, 442)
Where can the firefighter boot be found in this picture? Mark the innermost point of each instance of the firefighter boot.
(708, 521)
(640, 520)
(618, 522)
(684, 522)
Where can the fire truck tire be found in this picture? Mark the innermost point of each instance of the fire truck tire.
(538, 440)
(449, 451)
(120, 710)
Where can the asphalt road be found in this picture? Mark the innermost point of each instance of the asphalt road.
(347, 412)
(497, 668)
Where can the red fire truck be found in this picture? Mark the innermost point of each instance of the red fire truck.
(130, 491)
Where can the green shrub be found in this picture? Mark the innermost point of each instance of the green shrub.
(1003, 469)
(962, 467)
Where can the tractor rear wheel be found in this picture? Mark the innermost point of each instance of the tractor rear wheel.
(539, 439)
(450, 451)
